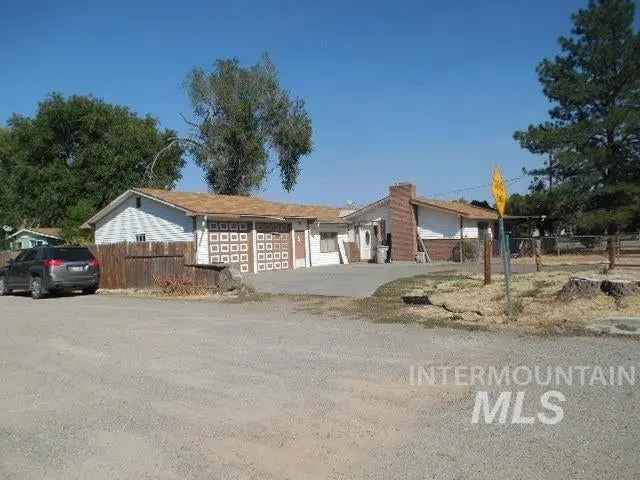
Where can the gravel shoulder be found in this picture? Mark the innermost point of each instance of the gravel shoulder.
(116, 387)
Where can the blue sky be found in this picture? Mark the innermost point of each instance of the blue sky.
(428, 92)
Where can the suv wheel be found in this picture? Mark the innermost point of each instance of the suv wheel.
(3, 287)
(36, 288)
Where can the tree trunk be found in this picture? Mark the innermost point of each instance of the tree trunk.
(579, 287)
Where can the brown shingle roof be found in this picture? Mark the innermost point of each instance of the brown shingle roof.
(464, 209)
(46, 231)
(49, 231)
(210, 204)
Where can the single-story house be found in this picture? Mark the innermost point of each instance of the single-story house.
(250, 233)
(257, 235)
(405, 221)
(35, 237)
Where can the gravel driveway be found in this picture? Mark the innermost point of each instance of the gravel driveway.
(108, 387)
(362, 279)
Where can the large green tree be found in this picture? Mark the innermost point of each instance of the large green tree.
(78, 152)
(593, 135)
(242, 118)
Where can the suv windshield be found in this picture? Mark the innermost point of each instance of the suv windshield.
(70, 254)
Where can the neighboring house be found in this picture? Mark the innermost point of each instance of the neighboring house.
(34, 237)
(252, 234)
(400, 217)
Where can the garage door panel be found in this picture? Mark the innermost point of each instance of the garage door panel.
(273, 246)
(231, 242)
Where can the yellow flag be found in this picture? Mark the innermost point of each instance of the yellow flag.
(499, 188)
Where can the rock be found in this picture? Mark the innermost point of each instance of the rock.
(580, 287)
(416, 297)
(619, 288)
(229, 279)
(421, 297)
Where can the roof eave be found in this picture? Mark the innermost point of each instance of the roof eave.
(55, 237)
(377, 204)
(121, 198)
(438, 207)
(422, 203)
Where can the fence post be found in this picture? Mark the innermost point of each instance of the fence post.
(612, 252)
(488, 250)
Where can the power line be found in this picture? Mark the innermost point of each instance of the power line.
(477, 187)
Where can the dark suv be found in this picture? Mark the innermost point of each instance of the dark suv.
(45, 270)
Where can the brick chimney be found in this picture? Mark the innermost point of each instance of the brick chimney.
(403, 222)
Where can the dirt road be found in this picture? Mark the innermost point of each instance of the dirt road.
(113, 387)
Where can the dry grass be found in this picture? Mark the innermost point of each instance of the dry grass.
(535, 307)
(466, 302)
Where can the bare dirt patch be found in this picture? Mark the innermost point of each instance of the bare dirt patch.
(245, 295)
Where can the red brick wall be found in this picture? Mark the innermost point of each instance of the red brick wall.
(441, 250)
(402, 222)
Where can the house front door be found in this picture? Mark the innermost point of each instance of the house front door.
(366, 242)
(301, 249)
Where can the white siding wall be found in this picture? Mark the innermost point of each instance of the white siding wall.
(351, 233)
(373, 215)
(364, 219)
(434, 223)
(28, 240)
(159, 222)
(330, 258)
(470, 229)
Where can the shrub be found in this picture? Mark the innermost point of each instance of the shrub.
(179, 286)
(594, 243)
(549, 246)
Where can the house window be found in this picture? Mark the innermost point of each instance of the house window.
(138, 203)
(328, 242)
(141, 237)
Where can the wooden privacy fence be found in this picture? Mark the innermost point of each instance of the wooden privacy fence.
(7, 255)
(146, 265)
(143, 265)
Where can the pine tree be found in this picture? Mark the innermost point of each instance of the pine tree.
(593, 136)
